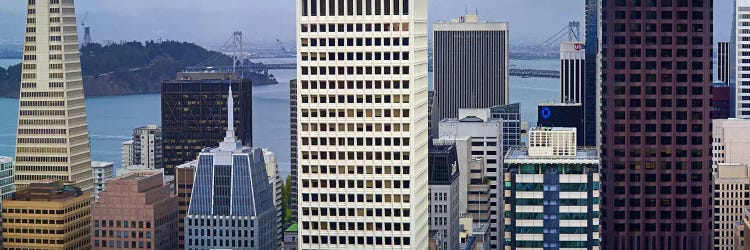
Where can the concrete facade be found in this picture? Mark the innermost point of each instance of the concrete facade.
(731, 199)
(52, 140)
(136, 211)
(272, 169)
(184, 179)
(100, 172)
(572, 71)
(62, 218)
(731, 142)
(362, 97)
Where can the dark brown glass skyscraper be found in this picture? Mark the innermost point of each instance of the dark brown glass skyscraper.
(194, 114)
(656, 131)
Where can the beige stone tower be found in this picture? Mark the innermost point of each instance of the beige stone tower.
(52, 140)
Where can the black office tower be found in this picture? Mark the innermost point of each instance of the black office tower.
(562, 115)
(590, 81)
(194, 114)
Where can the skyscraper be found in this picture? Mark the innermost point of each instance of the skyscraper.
(470, 61)
(511, 116)
(232, 198)
(572, 72)
(362, 116)
(184, 180)
(52, 140)
(724, 58)
(656, 131)
(194, 113)
(591, 82)
(742, 72)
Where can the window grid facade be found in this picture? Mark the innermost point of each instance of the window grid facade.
(742, 41)
(657, 58)
(52, 140)
(362, 124)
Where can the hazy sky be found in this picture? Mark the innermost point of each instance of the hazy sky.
(210, 22)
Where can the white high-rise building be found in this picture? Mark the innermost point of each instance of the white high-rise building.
(742, 57)
(52, 140)
(272, 169)
(101, 171)
(145, 149)
(362, 124)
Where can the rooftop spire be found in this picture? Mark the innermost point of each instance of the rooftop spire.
(230, 142)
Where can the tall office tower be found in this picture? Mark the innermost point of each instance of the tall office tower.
(564, 115)
(511, 116)
(194, 117)
(724, 58)
(140, 209)
(293, 152)
(145, 149)
(362, 116)
(7, 184)
(552, 193)
(572, 72)
(742, 71)
(591, 83)
(101, 172)
(731, 190)
(730, 142)
(478, 136)
(656, 130)
(444, 193)
(231, 197)
(272, 169)
(52, 140)
(184, 179)
(68, 226)
(470, 61)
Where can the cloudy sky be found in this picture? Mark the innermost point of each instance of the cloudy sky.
(210, 22)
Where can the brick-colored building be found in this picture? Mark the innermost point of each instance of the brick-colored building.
(136, 211)
(184, 175)
(47, 215)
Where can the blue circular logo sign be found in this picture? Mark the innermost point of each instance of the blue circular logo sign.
(546, 113)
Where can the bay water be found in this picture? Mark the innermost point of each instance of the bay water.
(111, 119)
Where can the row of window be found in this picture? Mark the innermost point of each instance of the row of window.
(352, 240)
(42, 113)
(326, 211)
(377, 198)
(42, 168)
(663, 140)
(353, 27)
(663, 227)
(359, 113)
(210, 243)
(122, 224)
(351, 42)
(42, 94)
(377, 141)
(353, 156)
(42, 131)
(351, 85)
(348, 7)
(359, 70)
(351, 226)
(307, 169)
(651, 190)
(122, 234)
(665, 27)
(104, 244)
(42, 103)
(663, 165)
(368, 99)
(354, 184)
(354, 127)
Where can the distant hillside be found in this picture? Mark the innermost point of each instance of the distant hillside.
(128, 68)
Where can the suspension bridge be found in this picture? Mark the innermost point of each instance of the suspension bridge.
(234, 44)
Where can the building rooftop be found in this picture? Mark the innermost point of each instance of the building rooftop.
(101, 164)
(47, 190)
(589, 155)
(293, 228)
(5, 159)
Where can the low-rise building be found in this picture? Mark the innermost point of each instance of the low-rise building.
(7, 183)
(290, 237)
(61, 217)
(101, 171)
(136, 211)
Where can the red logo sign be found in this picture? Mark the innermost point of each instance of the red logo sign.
(578, 46)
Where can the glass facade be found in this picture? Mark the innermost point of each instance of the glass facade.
(511, 117)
